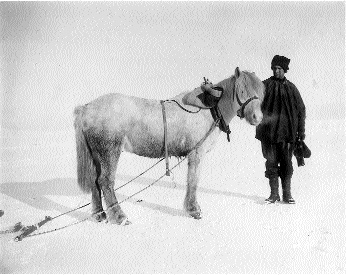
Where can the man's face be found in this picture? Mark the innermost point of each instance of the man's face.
(278, 72)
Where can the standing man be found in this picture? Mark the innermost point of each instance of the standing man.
(282, 125)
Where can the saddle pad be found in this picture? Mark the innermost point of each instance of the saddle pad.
(201, 98)
(195, 98)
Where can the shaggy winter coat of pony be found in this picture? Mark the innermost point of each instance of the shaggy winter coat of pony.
(114, 123)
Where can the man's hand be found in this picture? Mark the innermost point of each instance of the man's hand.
(300, 136)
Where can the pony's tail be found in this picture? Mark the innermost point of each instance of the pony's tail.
(86, 170)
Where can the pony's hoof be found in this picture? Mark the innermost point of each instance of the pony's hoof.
(122, 222)
(125, 222)
(196, 215)
(99, 217)
(118, 217)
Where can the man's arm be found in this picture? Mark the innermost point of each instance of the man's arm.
(301, 115)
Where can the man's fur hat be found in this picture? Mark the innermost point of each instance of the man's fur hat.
(281, 61)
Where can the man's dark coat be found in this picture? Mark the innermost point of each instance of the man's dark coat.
(283, 112)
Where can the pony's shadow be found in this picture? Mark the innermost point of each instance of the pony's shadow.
(171, 185)
(36, 194)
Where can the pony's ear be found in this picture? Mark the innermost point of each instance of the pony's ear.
(237, 72)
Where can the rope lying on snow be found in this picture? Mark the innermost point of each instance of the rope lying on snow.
(27, 230)
(30, 229)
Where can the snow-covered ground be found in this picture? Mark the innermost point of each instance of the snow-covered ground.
(237, 234)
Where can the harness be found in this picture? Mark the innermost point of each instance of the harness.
(214, 110)
(215, 123)
(218, 121)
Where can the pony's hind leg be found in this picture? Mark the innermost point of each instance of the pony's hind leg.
(109, 160)
(194, 168)
(96, 201)
(114, 212)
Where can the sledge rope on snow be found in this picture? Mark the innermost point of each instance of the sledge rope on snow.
(30, 229)
(13, 229)
(27, 230)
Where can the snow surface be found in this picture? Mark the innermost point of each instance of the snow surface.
(237, 234)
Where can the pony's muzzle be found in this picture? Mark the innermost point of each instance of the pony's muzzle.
(257, 118)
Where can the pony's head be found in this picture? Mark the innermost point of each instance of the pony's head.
(248, 95)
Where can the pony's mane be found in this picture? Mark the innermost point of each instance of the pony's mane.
(247, 79)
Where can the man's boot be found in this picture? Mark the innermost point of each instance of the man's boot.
(274, 191)
(286, 191)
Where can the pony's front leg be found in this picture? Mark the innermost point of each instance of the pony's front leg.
(194, 168)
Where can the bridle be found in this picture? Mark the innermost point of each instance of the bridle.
(240, 112)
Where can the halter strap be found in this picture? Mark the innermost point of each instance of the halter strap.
(240, 112)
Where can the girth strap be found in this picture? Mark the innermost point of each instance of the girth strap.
(165, 136)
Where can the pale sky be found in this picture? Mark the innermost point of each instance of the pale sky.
(56, 55)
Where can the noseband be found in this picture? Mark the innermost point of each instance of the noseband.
(240, 112)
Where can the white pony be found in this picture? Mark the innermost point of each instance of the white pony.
(116, 122)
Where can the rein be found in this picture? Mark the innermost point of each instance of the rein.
(175, 101)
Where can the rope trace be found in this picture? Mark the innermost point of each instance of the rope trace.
(30, 229)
